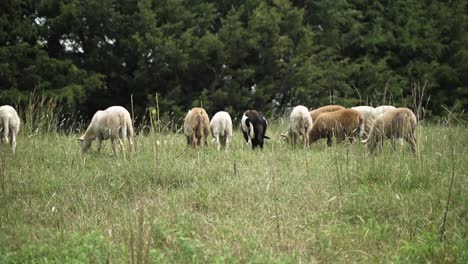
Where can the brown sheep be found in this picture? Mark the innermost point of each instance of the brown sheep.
(197, 126)
(397, 123)
(324, 109)
(342, 124)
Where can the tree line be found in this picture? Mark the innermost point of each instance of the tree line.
(234, 54)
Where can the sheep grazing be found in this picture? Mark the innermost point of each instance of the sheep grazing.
(114, 123)
(369, 115)
(324, 109)
(197, 126)
(342, 124)
(221, 129)
(254, 126)
(397, 123)
(9, 125)
(300, 124)
(383, 109)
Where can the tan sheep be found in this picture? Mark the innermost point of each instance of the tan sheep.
(397, 123)
(342, 124)
(324, 109)
(114, 123)
(9, 125)
(197, 126)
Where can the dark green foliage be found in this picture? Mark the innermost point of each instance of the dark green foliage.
(233, 55)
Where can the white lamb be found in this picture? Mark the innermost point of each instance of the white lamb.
(300, 124)
(9, 125)
(221, 129)
(114, 123)
(369, 115)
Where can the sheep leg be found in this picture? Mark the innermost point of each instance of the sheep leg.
(227, 143)
(130, 144)
(392, 142)
(13, 142)
(113, 146)
(329, 140)
(305, 139)
(411, 139)
(6, 130)
(121, 145)
(218, 143)
(99, 144)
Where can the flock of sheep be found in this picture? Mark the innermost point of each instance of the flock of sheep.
(372, 125)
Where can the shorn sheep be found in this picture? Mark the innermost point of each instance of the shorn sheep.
(369, 115)
(221, 129)
(197, 126)
(254, 126)
(9, 125)
(324, 109)
(397, 123)
(342, 124)
(114, 123)
(300, 123)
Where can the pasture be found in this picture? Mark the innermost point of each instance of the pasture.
(169, 203)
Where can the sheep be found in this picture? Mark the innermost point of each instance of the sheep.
(221, 129)
(196, 126)
(396, 123)
(369, 116)
(383, 109)
(300, 124)
(114, 123)
(341, 124)
(9, 125)
(324, 109)
(254, 126)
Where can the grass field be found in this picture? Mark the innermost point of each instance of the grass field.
(169, 203)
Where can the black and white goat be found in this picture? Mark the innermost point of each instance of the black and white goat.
(254, 126)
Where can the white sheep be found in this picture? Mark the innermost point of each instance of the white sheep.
(300, 124)
(221, 129)
(9, 125)
(397, 123)
(383, 109)
(369, 115)
(114, 123)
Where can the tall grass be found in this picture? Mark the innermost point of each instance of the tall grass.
(169, 203)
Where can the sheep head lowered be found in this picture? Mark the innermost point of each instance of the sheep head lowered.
(300, 123)
(9, 125)
(221, 129)
(254, 126)
(341, 124)
(114, 123)
(197, 126)
(393, 124)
